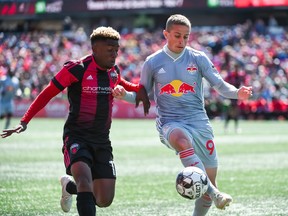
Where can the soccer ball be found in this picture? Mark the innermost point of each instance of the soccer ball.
(191, 183)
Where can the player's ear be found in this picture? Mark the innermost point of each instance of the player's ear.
(95, 47)
(165, 33)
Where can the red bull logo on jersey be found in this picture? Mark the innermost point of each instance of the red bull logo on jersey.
(177, 88)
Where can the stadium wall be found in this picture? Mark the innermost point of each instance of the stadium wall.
(58, 108)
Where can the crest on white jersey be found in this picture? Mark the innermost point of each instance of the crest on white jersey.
(192, 68)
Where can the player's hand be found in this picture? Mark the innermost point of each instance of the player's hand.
(118, 92)
(142, 95)
(245, 92)
(18, 129)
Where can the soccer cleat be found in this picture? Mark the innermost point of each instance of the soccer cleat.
(221, 200)
(66, 199)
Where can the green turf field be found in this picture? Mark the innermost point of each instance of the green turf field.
(253, 169)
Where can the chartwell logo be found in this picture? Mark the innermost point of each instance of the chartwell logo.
(96, 90)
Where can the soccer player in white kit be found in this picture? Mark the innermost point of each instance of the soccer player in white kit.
(175, 74)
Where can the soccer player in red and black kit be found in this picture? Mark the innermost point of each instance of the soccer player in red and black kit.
(92, 82)
(235, 77)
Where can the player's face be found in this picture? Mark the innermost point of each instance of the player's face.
(177, 37)
(105, 53)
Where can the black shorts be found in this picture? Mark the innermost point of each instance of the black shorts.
(98, 157)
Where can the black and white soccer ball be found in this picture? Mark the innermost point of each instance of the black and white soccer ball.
(191, 182)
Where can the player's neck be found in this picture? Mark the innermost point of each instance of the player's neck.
(173, 55)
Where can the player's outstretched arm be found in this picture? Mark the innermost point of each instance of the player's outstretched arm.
(42, 99)
(245, 92)
(18, 129)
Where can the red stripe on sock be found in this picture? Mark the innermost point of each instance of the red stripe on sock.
(206, 197)
(194, 164)
(186, 153)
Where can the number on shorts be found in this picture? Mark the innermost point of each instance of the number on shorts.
(210, 146)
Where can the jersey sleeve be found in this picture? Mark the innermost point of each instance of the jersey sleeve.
(58, 83)
(210, 73)
(208, 70)
(40, 102)
(64, 79)
(128, 85)
(146, 79)
(227, 90)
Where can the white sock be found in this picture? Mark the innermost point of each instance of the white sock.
(202, 205)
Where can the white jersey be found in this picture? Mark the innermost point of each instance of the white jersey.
(178, 85)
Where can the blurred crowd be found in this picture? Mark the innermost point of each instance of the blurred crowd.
(258, 50)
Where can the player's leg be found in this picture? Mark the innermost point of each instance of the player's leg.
(83, 178)
(8, 120)
(202, 205)
(206, 150)
(189, 158)
(1, 118)
(3, 112)
(9, 113)
(236, 119)
(220, 199)
(68, 185)
(104, 177)
(104, 191)
(78, 162)
(177, 138)
(68, 188)
(226, 121)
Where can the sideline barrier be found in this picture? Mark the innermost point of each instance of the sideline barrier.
(58, 108)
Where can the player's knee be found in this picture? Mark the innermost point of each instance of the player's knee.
(179, 140)
(104, 202)
(84, 184)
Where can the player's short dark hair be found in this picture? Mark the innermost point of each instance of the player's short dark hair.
(177, 19)
(104, 33)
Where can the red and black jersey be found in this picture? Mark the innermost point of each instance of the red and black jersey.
(89, 94)
(90, 98)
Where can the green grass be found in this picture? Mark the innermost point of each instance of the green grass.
(253, 169)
